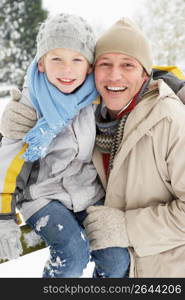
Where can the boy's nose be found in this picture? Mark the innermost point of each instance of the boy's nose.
(67, 67)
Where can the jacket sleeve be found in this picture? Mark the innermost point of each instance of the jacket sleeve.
(14, 172)
(161, 227)
(176, 84)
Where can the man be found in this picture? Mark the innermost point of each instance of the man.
(139, 155)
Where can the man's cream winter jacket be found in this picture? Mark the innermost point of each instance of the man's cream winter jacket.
(147, 182)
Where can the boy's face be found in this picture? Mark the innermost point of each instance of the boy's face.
(66, 69)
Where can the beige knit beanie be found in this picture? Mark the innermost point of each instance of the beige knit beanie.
(125, 37)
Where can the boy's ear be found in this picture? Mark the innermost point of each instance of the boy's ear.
(41, 65)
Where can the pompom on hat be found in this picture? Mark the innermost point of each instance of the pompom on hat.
(66, 31)
(125, 37)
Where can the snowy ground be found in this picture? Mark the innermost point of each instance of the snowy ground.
(3, 103)
(30, 265)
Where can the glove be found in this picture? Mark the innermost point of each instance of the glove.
(105, 227)
(10, 245)
(17, 118)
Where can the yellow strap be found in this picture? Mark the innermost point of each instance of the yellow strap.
(97, 100)
(173, 69)
(10, 180)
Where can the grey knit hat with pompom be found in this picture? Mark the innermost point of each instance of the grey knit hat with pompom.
(66, 31)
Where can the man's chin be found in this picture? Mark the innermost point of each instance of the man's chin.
(113, 105)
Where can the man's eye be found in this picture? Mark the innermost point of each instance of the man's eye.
(104, 64)
(129, 66)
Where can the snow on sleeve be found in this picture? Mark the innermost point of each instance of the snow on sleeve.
(82, 236)
(60, 227)
(42, 222)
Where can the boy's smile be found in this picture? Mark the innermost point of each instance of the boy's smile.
(66, 81)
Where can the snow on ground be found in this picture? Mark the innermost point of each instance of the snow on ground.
(31, 266)
(4, 96)
(3, 102)
(5, 87)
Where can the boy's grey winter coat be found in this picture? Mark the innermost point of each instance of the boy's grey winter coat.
(66, 173)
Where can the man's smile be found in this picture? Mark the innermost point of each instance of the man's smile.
(116, 89)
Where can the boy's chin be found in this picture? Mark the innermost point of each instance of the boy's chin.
(66, 91)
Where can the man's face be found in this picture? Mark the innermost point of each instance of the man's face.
(118, 78)
(66, 69)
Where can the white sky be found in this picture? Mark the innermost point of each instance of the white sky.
(103, 12)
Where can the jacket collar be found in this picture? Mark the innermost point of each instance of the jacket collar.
(139, 122)
(145, 115)
(142, 118)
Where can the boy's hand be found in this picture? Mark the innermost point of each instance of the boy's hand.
(10, 245)
(105, 227)
(17, 118)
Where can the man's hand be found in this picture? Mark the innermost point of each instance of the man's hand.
(105, 227)
(17, 118)
(10, 245)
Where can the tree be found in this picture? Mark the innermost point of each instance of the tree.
(19, 22)
(162, 21)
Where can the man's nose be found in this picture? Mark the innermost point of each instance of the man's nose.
(115, 74)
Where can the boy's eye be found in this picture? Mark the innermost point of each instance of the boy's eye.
(56, 59)
(77, 59)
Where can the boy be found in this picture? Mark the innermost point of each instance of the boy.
(58, 181)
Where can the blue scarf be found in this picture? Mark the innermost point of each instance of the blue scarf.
(55, 108)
